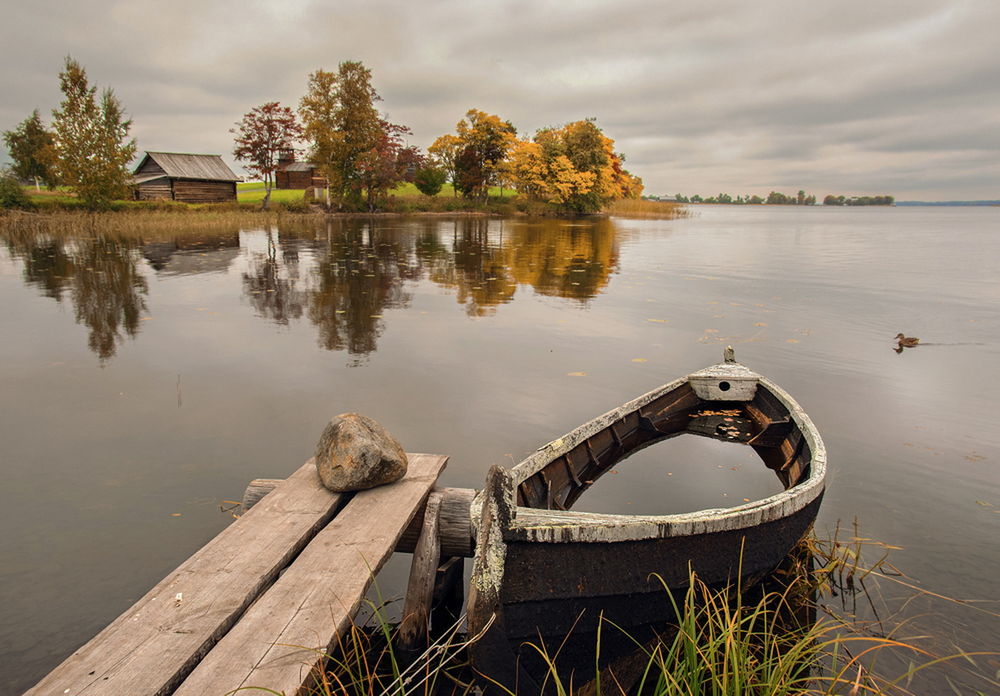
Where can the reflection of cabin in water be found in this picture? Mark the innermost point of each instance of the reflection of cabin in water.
(175, 176)
(292, 174)
(193, 256)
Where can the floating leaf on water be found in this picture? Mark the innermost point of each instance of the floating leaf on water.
(376, 316)
(760, 323)
(983, 503)
(711, 331)
(792, 340)
(658, 321)
(146, 319)
(175, 514)
(576, 374)
(746, 500)
(638, 359)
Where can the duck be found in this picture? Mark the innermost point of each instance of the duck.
(906, 341)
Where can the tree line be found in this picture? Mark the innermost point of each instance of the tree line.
(363, 156)
(778, 198)
(360, 153)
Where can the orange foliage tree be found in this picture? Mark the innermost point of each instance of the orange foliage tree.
(574, 167)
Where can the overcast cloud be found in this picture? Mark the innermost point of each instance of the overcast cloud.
(847, 97)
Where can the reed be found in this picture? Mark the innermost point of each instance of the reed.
(758, 642)
(143, 223)
(729, 641)
(642, 209)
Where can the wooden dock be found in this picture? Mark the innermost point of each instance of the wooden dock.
(262, 602)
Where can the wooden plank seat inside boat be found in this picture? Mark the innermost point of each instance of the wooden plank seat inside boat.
(260, 604)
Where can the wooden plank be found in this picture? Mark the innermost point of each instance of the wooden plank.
(256, 490)
(455, 526)
(284, 636)
(152, 647)
(413, 630)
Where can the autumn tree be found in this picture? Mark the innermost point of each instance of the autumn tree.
(445, 151)
(387, 163)
(343, 126)
(484, 141)
(261, 136)
(574, 167)
(31, 148)
(91, 144)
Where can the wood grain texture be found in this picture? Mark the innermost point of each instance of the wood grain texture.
(283, 637)
(455, 527)
(152, 647)
(413, 630)
(256, 490)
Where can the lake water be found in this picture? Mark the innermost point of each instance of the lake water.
(146, 378)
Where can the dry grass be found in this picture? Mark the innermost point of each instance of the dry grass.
(640, 209)
(144, 223)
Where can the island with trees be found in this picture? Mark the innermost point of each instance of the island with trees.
(778, 198)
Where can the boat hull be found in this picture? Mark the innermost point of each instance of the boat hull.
(546, 574)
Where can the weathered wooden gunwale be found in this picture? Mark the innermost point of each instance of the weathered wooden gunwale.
(543, 567)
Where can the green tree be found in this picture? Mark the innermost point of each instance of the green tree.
(430, 180)
(31, 148)
(92, 147)
(12, 195)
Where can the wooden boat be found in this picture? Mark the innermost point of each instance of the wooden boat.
(542, 570)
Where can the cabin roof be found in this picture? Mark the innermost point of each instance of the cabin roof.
(180, 165)
(298, 167)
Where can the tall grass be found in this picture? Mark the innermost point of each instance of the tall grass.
(642, 209)
(729, 641)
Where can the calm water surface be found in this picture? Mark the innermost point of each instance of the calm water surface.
(147, 378)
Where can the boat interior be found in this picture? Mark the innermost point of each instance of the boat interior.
(762, 422)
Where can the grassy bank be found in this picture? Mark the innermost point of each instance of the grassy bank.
(403, 200)
(762, 641)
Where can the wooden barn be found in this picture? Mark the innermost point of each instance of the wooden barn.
(292, 174)
(175, 176)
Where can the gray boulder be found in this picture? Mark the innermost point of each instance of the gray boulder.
(355, 452)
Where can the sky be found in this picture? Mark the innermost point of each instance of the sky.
(849, 97)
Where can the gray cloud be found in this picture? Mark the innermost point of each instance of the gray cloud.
(847, 97)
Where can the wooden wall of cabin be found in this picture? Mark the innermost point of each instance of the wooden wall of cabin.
(204, 191)
(156, 190)
(293, 179)
(149, 167)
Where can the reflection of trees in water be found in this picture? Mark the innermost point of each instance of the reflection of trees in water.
(101, 276)
(358, 276)
(109, 293)
(475, 267)
(272, 286)
(563, 260)
(354, 270)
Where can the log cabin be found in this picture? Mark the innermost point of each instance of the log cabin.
(175, 176)
(292, 174)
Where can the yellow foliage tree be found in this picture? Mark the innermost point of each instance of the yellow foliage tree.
(575, 167)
